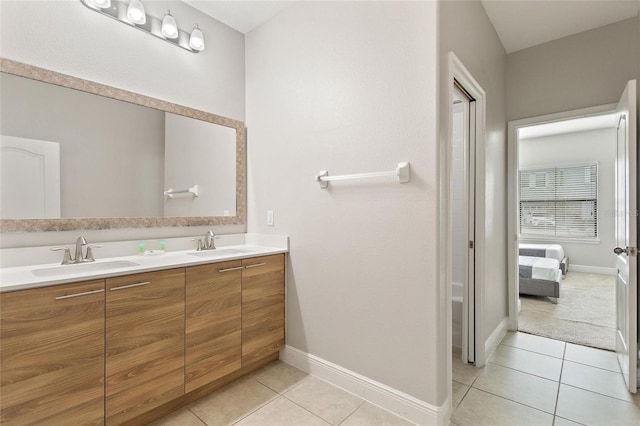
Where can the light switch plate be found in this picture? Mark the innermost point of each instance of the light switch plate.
(269, 217)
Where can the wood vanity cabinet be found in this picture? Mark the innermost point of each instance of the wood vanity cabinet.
(213, 322)
(52, 355)
(263, 283)
(144, 342)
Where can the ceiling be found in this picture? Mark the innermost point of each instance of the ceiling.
(519, 23)
(526, 23)
(241, 15)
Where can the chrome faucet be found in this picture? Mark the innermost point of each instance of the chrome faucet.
(79, 258)
(208, 243)
(80, 243)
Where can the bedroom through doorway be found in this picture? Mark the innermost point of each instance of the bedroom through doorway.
(566, 230)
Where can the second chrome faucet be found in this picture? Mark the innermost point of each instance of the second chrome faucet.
(208, 243)
(79, 257)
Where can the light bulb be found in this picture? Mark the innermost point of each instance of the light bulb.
(135, 12)
(102, 4)
(196, 41)
(169, 26)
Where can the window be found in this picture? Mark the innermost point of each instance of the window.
(559, 201)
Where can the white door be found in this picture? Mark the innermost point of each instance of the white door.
(29, 178)
(626, 238)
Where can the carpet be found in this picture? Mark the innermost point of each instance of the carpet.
(585, 313)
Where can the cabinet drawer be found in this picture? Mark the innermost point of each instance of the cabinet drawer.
(52, 354)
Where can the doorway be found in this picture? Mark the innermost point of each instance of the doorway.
(623, 212)
(462, 218)
(566, 170)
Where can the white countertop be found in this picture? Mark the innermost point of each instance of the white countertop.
(23, 277)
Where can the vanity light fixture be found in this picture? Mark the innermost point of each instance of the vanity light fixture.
(196, 40)
(169, 26)
(133, 13)
(102, 4)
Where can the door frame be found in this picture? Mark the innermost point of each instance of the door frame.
(469, 194)
(458, 72)
(513, 193)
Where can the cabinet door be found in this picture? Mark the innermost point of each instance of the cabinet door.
(145, 343)
(213, 322)
(262, 307)
(52, 355)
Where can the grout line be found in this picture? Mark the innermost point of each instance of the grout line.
(197, 417)
(515, 402)
(555, 408)
(314, 414)
(601, 394)
(525, 372)
(352, 412)
(255, 410)
(594, 366)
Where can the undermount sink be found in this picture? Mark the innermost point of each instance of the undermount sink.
(82, 267)
(220, 252)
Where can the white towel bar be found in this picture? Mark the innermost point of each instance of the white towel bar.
(171, 192)
(402, 172)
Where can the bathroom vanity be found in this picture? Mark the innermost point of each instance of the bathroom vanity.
(129, 344)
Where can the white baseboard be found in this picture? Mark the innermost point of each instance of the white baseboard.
(399, 403)
(491, 344)
(592, 269)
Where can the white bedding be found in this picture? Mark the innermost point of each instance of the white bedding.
(542, 268)
(553, 251)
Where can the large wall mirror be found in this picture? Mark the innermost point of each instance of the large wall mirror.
(75, 154)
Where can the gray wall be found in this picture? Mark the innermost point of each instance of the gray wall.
(579, 71)
(466, 30)
(595, 145)
(111, 152)
(350, 87)
(67, 37)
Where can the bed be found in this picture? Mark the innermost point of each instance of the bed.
(553, 251)
(540, 276)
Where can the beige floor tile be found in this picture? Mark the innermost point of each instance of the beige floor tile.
(528, 362)
(182, 417)
(459, 391)
(529, 342)
(559, 421)
(464, 373)
(480, 408)
(590, 408)
(517, 386)
(281, 412)
(595, 380)
(279, 376)
(591, 356)
(371, 415)
(324, 400)
(232, 402)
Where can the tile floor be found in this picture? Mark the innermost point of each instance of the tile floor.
(532, 380)
(529, 380)
(280, 395)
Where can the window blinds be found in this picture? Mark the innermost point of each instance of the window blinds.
(559, 201)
